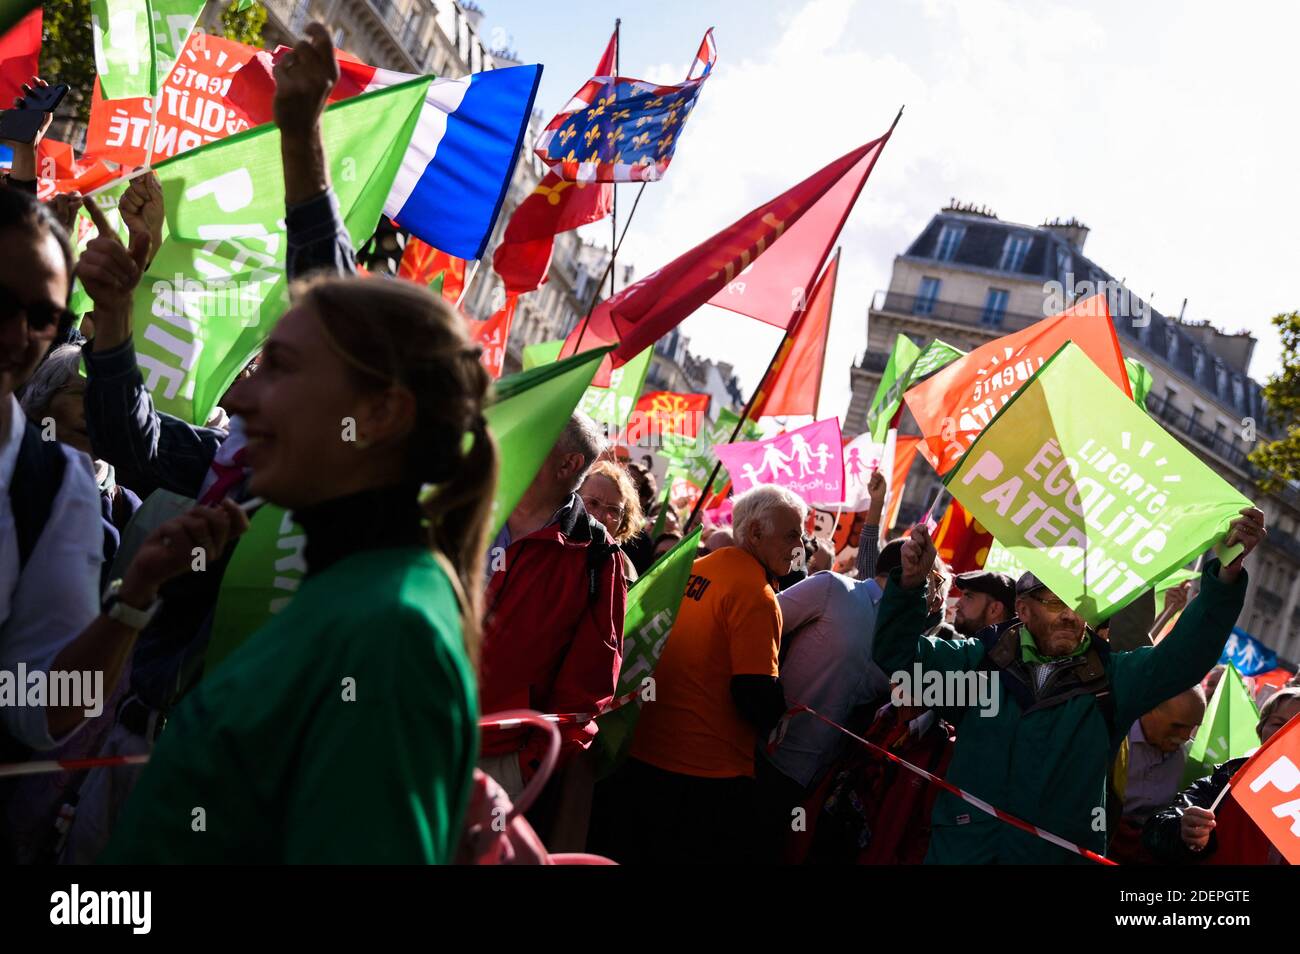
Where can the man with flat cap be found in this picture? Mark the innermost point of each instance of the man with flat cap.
(1061, 701)
(987, 598)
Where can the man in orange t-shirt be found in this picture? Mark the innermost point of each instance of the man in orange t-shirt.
(686, 792)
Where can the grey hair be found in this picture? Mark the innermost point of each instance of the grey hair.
(581, 436)
(760, 504)
(51, 376)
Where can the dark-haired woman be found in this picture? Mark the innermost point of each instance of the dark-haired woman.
(344, 729)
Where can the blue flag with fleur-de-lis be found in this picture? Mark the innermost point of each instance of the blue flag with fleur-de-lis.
(617, 129)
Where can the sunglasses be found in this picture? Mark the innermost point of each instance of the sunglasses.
(41, 315)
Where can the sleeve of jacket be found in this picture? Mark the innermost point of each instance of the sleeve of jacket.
(1162, 833)
(898, 641)
(868, 551)
(148, 449)
(1146, 677)
(317, 238)
(588, 677)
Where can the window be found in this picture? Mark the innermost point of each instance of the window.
(1014, 251)
(949, 239)
(1064, 265)
(995, 307)
(926, 296)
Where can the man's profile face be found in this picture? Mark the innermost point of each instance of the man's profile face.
(974, 612)
(1056, 628)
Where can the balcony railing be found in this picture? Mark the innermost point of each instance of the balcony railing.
(938, 310)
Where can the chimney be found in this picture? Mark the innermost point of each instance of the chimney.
(473, 13)
(1072, 230)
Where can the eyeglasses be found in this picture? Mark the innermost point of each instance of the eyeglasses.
(597, 507)
(1052, 605)
(41, 315)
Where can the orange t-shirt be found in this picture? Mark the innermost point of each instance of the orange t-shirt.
(729, 625)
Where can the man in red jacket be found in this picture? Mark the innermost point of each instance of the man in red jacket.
(553, 627)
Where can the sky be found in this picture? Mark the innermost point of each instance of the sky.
(1168, 129)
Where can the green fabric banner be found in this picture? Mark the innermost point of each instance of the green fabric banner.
(652, 604)
(137, 42)
(895, 380)
(1086, 490)
(1139, 379)
(527, 415)
(1227, 731)
(612, 405)
(693, 457)
(217, 285)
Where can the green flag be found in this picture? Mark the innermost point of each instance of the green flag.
(652, 604)
(907, 365)
(217, 285)
(1139, 379)
(612, 405)
(1176, 578)
(1000, 560)
(1089, 492)
(693, 457)
(137, 42)
(1227, 731)
(527, 415)
(265, 570)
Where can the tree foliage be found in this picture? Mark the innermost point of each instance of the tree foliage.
(1281, 458)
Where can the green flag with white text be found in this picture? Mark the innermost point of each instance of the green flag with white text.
(217, 285)
(612, 405)
(527, 414)
(137, 42)
(652, 604)
(907, 365)
(693, 457)
(1087, 491)
(1227, 731)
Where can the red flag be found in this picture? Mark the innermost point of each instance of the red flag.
(665, 412)
(422, 263)
(493, 334)
(555, 206)
(20, 55)
(961, 540)
(252, 91)
(645, 311)
(1268, 789)
(952, 406)
(796, 377)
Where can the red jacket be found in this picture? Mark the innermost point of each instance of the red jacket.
(553, 631)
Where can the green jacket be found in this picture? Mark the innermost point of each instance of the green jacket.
(1044, 756)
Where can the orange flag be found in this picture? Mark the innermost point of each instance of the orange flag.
(955, 404)
(422, 264)
(904, 453)
(493, 334)
(796, 379)
(1268, 789)
(961, 540)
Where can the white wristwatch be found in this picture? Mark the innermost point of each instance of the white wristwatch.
(113, 607)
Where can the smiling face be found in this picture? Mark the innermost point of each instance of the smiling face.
(296, 411)
(775, 542)
(33, 272)
(1056, 628)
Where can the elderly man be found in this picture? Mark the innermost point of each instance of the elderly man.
(553, 618)
(1064, 702)
(686, 793)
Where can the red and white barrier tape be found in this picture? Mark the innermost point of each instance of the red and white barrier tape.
(963, 795)
(563, 718)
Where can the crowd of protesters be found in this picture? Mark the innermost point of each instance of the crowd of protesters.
(346, 728)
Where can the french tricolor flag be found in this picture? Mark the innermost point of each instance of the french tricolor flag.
(458, 167)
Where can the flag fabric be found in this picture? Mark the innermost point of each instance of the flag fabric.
(694, 459)
(646, 310)
(493, 334)
(556, 205)
(137, 41)
(423, 264)
(20, 55)
(611, 405)
(862, 457)
(1088, 491)
(1268, 790)
(528, 412)
(217, 285)
(652, 604)
(961, 541)
(12, 12)
(460, 161)
(1000, 560)
(808, 461)
(617, 129)
(794, 384)
(666, 412)
(194, 107)
(1176, 578)
(1139, 379)
(899, 457)
(1247, 654)
(264, 572)
(1226, 732)
(956, 403)
(907, 365)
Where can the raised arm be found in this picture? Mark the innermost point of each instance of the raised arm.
(869, 539)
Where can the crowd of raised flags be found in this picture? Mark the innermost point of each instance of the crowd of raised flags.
(1103, 507)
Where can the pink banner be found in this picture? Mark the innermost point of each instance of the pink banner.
(809, 461)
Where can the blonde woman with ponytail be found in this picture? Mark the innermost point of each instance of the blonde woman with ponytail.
(345, 729)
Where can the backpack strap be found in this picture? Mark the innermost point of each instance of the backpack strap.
(38, 475)
(599, 550)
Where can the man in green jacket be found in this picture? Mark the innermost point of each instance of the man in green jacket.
(1061, 702)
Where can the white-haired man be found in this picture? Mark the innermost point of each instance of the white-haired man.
(687, 791)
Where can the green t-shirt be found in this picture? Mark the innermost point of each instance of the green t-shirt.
(345, 730)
